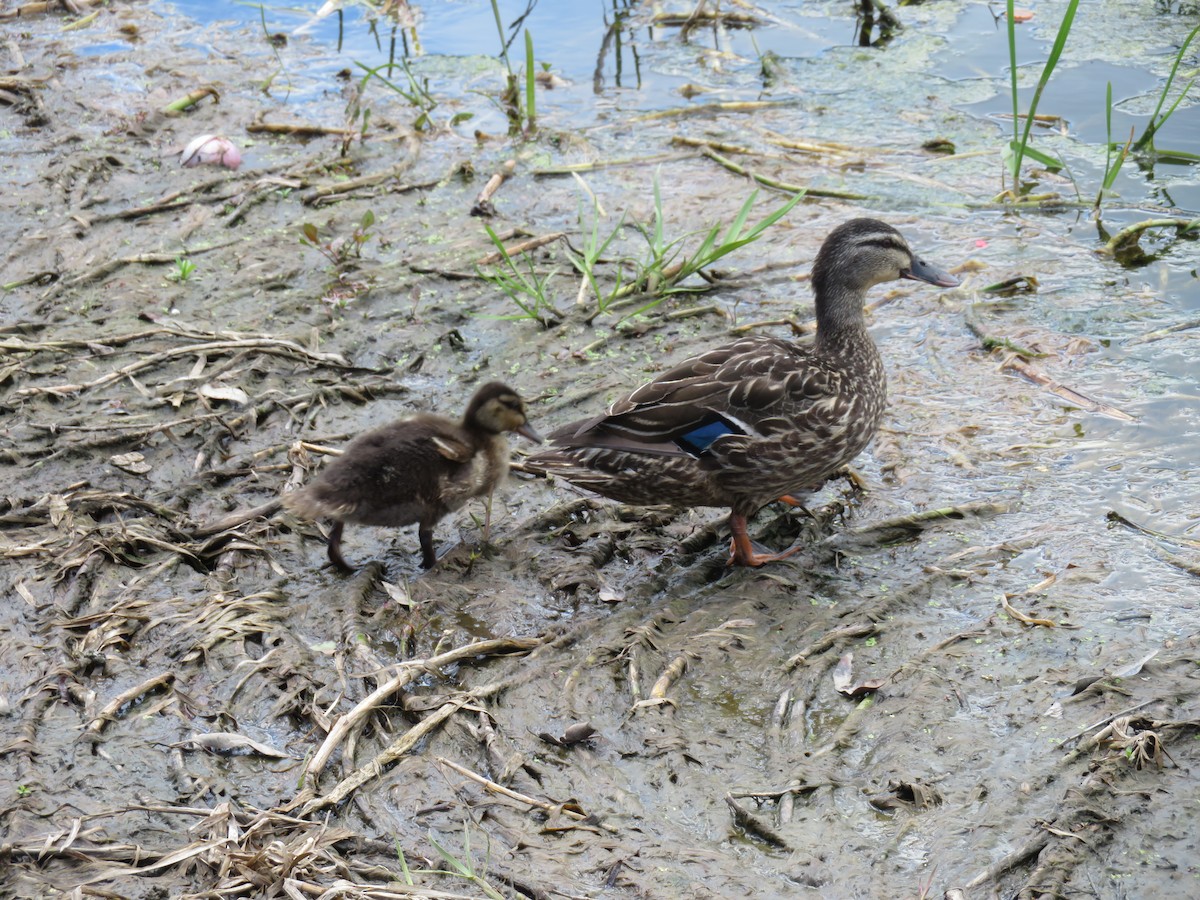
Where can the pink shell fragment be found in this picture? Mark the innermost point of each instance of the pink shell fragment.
(211, 149)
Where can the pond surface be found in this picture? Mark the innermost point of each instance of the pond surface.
(192, 704)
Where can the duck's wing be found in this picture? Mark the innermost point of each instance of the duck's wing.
(740, 388)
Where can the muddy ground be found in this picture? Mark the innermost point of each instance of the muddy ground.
(193, 704)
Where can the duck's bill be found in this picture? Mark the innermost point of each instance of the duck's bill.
(923, 271)
(527, 431)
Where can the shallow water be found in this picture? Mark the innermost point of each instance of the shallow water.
(132, 630)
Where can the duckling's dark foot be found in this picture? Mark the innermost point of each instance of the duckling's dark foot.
(487, 517)
(334, 549)
(745, 552)
(428, 557)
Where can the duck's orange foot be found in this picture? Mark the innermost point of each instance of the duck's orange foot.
(745, 552)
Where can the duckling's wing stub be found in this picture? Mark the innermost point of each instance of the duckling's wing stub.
(451, 449)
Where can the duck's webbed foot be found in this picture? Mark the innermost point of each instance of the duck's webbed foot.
(745, 552)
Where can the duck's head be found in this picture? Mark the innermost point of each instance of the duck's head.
(497, 408)
(864, 252)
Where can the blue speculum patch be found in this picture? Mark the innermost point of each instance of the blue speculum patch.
(698, 440)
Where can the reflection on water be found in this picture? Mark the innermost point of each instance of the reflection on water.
(596, 47)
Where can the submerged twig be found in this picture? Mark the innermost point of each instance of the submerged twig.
(1024, 618)
(1072, 396)
(572, 168)
(109, 267)
(496, 788)
(1018, 857)
(1016, 363)
(298, 129)
(240, 517)
(685, 141)
(523, 247)
(716, 107)
(483, 203)
(114, 706)
(754, 825)
(1160, 333)
(776, 183)
(325, 192)
(309, 802)
(828, 641)
(658, 694)
(1114, 516)
(907, 526)
(190, 99)
(1130, 234)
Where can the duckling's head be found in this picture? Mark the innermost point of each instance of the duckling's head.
(497, 408)
(864, 252)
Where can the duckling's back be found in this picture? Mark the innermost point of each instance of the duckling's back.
(416, 469)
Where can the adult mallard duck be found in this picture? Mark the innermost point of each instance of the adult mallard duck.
(417, 469)
(757, 419)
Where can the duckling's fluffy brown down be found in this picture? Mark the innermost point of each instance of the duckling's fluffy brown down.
(416, 470)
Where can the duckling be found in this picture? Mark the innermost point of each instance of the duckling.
(416, 469)
(759, 418)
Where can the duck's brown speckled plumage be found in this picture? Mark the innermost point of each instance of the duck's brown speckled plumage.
(786, 416)
(416, 470)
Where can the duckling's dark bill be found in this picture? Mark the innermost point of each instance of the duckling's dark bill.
(526, 431)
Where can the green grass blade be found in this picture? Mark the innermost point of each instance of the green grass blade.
(774, 217)
(1050, 162)
(706, 246)
(451, 860)
(1012, 70)
(500, 33)
(1110, 174)
(739, 221)
(658, 215)
(374, 73)
(530, 83)
(1176, 156)
(1152, 129)
(408, 879)
(1147, 137)
(646, 308)
(499, 245)
(1060, 41)
(728, 246)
